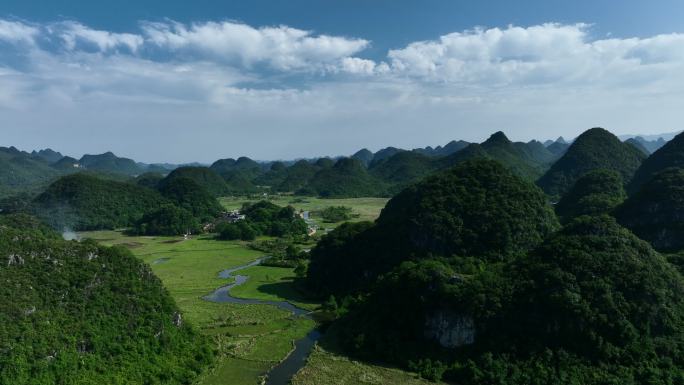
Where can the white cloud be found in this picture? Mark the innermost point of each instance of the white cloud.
(174, 86)
(74, 33)
(283, 48)
(542, 54)
(15, 32)
(355, 65)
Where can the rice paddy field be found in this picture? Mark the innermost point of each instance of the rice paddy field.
(250, 339)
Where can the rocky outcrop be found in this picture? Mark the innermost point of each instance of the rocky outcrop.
(177, 319)
(450, 329)
(14, 259)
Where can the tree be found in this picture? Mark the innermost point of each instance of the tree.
(597, 192)
(478, 209)
(167, 220)
(186, 193)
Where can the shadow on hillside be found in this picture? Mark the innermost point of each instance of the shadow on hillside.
(287, 290)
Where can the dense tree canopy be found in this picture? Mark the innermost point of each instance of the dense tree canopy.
(594, 149)
(526, 160)
(110, 163)
(263, 218)
(85, 202)
(79, 313)
(348, 178)
(167, 220)
(403, 168)
(239, 174)
(476, 209)
(187, 194)
(592, 305)
(27, 223)
(656, 212)
(669, 155)
(205, 177)
(149, 180)
(334, 214)
(338, 259)
(21, 172)
(289, 179)
(597, 192)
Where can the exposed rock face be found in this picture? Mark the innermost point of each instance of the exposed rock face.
(177, 319)
(14, 259)
(450, 329)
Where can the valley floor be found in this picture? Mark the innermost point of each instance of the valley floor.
(249, 339)
(365, 209)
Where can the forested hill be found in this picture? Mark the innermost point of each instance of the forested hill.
(669, 155)
(203, 176)
(656, 211)
(109, 162)
(347, 178)
(555, 164)
(495, 215)
(466, 276)
(86, 202)
(80, 313)
(594, 149)
(22, 172)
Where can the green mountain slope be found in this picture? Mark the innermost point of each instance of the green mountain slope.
(203, 176)
(187, 194)
(403, 168)
(108, 162)
(476, 209)
(79, 313)
(591, 305)
(22, 172)
(594, 149)
(656, 212)
(365, 156)
(347, 178)
(85, 202)
(527, 160)
(596, 192)
(669, 155)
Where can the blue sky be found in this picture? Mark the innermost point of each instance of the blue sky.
(181, 81)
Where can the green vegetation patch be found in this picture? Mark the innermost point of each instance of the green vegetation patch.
(594, 149)
(249, 339)
(86, 202)
(80, 313)
(272, 284)
(368, 209)
(327, 368)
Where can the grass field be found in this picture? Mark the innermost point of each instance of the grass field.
(326, 368)
(272, 284)
(249, 339)
(367, 209)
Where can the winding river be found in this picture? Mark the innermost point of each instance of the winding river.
(282, 373)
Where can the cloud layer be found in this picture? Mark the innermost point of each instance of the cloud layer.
(543, 54)
(228, 80)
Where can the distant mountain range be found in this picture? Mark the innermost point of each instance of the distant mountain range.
(379, 173)
(24, 172)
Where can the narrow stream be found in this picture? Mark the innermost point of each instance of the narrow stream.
(282, 373)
